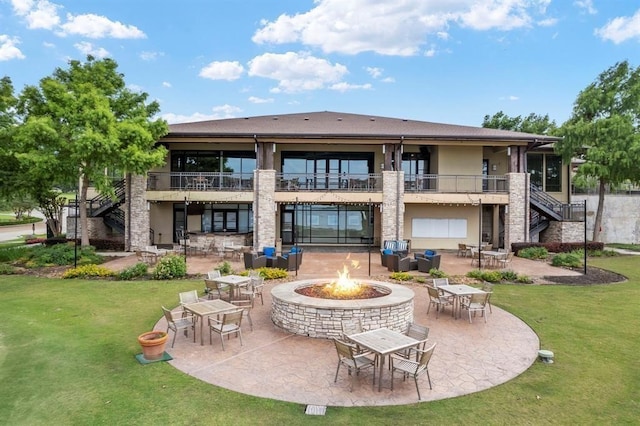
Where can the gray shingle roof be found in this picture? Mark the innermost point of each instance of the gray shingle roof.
(328, 124)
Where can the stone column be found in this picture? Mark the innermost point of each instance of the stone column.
(264, 209)
(137, 223)
(392, 222)
(516, 227)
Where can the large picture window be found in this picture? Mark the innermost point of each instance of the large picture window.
(546, 171)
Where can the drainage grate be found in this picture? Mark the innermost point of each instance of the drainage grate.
(315, 410)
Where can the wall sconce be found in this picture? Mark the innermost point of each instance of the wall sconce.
(274, 148)
(494, 167)
(508, 151)
(384, 149)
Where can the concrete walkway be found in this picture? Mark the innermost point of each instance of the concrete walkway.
(469, 357)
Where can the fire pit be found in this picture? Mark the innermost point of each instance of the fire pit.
(297, 313)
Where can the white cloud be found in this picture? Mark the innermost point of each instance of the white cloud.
(586, 5)
(226, 70)
(134, 88)
(8, 49)
(374, 72)
(95, 26)
(39, 14)
(510, 98)
(87, 48)
(221, 111)
(430, 53)
(296, 72)
(621, 29)
(166, 84)
(344, 87)
(550, 22)
(256, 100)
(388, 80)
(48, 45)
(392, 27)
(150, 56)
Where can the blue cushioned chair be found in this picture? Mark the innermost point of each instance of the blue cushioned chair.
(269, 251)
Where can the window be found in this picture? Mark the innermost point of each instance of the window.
(439, 228)
(534, 167)
(553, 176)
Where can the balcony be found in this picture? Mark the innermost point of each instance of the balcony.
(367, 182)
(322, 182)
(456, 183)
(205, 181)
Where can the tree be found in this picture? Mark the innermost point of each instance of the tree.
(81, 121)
(533, 123)
(8, 121)
(603, 130)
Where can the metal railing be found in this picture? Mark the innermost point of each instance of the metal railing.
(455, 183)
(204, 181)
(554, 208)
(365, 182)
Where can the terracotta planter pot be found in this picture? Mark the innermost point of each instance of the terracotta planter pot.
(153, 343)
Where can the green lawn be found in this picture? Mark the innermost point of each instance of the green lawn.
(67, 357)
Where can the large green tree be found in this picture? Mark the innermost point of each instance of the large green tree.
(7, 127)
(603, 130)
(533, 123)
(81, 121)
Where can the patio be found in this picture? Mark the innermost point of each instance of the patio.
(278, 365)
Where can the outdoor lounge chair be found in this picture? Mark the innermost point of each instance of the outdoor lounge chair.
(476, 302)
(439, 301)
(425, 264)
(230, 324)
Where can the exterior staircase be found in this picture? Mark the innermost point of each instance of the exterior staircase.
(109, 209)
(545, 208)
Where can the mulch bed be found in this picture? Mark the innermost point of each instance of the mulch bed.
(594, 276)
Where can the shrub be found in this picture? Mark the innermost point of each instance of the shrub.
(437, 273)
(138, 270)
(12, 254)
(476, 273)
(421, 280)
(566, 259)
(88, 271)
(524, 279)
(60, 255)
(272, 273)
(401, 276)
(170, 267)
(509, 275)
(534, 253)
(7, 269)
(492, 276)
(225, 268)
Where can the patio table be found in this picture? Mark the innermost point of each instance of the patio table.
(234, 281)
(458, 291)
(383, 342)
(493, 255)
(204, 309)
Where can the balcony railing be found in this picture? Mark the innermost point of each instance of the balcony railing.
(366, 182)
(205, 181)
(455, 183)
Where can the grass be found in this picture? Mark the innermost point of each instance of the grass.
(67, 357)
(631, 247)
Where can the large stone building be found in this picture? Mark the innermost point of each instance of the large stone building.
(329, 178)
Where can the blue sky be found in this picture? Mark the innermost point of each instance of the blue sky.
(447, 61)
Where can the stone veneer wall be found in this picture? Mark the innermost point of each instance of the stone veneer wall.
(137, 220)
(392, 224)
(322, 318)
(563, 232)
(264, 215)
(517, 218)
(97, 228)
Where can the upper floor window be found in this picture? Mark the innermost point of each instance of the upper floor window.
(213, 161)
(546, 171)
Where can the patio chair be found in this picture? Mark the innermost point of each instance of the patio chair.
(418, 332)
(254, 261)
(187, 297)
(349, 357)
(413, 368)
(463, 251)
(217, 290)
(185, 322)
(476, 302)
(504, 261)
(395, 263)
(246, 306)
(439, 282)
(254, 289)
(425, 264)
(230, 324)
(488, 287)
(438, 300)
(288, 263)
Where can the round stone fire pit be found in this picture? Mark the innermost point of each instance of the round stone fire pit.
(322, 318)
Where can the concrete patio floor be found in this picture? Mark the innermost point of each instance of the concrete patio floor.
(278, 365)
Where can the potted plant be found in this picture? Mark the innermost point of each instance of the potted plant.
(153, 343)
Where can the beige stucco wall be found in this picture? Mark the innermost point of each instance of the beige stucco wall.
(468, 212)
